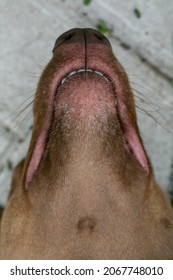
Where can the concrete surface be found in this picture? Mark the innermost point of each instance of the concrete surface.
(144, 45)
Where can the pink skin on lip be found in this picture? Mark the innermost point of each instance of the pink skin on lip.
(40, 145)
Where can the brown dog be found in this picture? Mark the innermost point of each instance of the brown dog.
(86, 188)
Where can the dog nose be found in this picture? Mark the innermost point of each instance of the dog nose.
(81, 36)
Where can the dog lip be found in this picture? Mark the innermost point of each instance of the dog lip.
(58, 79)
(82, 70)
(130, 134)
(131, 138)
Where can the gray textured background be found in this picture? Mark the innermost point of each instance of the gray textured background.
(144, 46)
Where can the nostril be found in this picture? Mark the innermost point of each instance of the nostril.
(63, 39)
(99, 37)
(69, 36)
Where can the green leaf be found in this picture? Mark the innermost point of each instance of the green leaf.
(137, 13)
(87, 2)
(102, 27)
